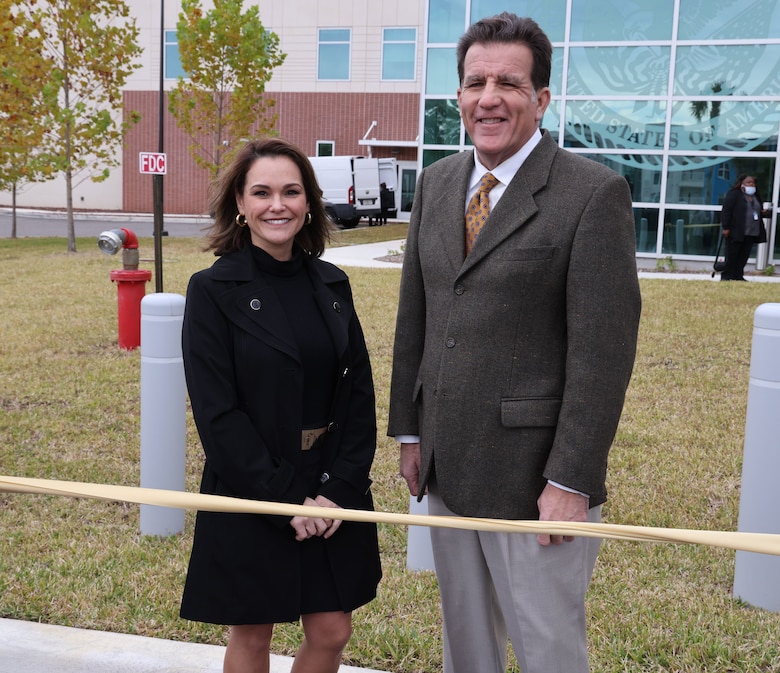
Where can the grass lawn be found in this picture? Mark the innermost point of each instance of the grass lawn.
(69, 409)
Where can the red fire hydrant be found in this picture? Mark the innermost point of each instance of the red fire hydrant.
(130, 281)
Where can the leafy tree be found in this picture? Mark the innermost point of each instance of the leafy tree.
(92, 47)
(228, 57)
(23, 116)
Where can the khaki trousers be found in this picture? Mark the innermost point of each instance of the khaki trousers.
(496, 586)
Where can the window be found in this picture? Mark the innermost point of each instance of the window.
(333, 53)
(326, 148)
(173, 67)
(399, 53)
(634, 125)
(442, 122)
(723, 125)
(639, 20)
(712, 21)
(726, 70)
(442, 75)
(549, 14)
(622, 71)
(445, 21)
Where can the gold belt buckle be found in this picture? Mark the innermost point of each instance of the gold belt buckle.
(309, 437)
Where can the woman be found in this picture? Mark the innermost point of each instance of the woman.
(282, 395)
(742, 225)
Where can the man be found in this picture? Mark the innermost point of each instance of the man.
(511, 360)
(386, 202)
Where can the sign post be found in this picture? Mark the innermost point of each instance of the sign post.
(156, 164)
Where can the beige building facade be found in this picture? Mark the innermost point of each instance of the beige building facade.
(350, 84)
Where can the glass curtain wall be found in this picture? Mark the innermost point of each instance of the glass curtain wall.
(679, 96)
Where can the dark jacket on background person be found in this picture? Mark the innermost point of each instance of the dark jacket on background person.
(734, 213)
(386, 201)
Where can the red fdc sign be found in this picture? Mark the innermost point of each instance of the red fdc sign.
(153, 162)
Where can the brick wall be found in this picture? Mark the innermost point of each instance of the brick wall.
(303, 118)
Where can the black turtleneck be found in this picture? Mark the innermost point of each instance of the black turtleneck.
(295, 291)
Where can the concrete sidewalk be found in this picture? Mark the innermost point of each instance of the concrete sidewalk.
(370, 255)
(29, 647)
(366, 255)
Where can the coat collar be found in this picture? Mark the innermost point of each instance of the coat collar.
(239, 267)
(250, 302)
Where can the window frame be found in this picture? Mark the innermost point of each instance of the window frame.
(324, 43)
(170, 46)
(319, 144)
(412, 42)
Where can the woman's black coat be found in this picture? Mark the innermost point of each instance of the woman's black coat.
(245, 382)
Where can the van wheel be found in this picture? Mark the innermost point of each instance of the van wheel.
(350, 224)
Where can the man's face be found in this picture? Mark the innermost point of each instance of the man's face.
(499, 107)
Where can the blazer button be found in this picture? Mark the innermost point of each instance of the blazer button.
(337, 307)
(255, 304)
(345, 372)
(450, 342)
(459, 290)
(332, 426)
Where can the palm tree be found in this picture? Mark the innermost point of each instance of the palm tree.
(699, 107)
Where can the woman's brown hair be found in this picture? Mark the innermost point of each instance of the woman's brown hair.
(225, 236)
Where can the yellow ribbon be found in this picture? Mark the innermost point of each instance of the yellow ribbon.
(763, 543)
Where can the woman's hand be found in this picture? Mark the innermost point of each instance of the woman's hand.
(306, 527)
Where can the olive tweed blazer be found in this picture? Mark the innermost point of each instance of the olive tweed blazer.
(512, 364)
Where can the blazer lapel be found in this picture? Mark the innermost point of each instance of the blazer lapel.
(449, 202)
(252, 305)
(517, 205)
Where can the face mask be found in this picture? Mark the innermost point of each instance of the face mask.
(750, 191)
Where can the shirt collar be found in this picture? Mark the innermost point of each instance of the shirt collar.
(506, 170)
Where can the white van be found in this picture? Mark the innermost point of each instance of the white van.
(351, 184)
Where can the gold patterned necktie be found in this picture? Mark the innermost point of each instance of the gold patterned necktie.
(478, 209)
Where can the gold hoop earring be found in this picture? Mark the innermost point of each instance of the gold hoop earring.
(241, 219)
(308, 218)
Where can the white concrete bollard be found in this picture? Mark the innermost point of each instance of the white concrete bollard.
(757, 576)
(163, 408)
(419, 553)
